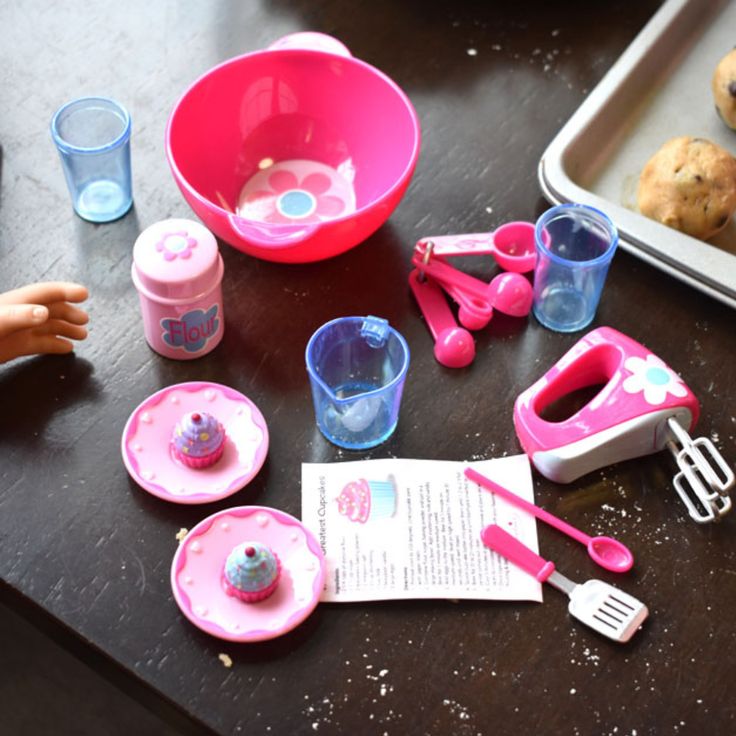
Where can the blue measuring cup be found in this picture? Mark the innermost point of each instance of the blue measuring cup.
(357, 367)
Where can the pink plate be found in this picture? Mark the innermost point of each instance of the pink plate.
(147, 434)
(198, 563)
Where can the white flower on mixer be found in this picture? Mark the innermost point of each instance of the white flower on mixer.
(653, 378)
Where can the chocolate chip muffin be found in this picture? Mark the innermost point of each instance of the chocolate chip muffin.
(689, 185)
(724, 89)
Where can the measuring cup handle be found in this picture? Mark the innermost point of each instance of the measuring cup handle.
(469, 244)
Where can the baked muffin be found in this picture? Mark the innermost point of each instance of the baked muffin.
(724, 89)
(689, 185)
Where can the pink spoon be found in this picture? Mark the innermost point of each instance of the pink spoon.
(511, 294)
(508, 292)
(454, 346)
(473, 313)
(609, 553)
(511, 245)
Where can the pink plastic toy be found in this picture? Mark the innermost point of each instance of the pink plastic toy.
(642, 407)
(607, 552)
(606, 609)
(473, 313)
(177, 270)
(511, 245)
(509, 293)
(627, 418)
(151, 461)
(293, 154)
(454, 346)
(196, 574)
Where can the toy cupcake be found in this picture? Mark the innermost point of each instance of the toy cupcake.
(251, 572)
(363, 500)
(198, 440)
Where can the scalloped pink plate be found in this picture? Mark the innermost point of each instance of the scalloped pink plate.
(147, 435)
(198, 563)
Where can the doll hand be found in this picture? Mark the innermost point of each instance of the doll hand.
(39, 318)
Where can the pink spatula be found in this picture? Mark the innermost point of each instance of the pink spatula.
(606, 609)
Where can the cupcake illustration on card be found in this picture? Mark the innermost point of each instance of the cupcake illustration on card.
(368, 500)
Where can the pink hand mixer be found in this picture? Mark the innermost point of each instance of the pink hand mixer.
(642, 407)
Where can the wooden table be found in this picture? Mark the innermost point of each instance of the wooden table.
(86, 553)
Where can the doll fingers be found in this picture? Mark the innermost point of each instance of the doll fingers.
(15, 317)
(62, 329)
(49, 344)
(68, 313)
(46, 292)
(26, 343)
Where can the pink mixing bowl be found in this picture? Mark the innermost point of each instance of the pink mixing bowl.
(293, 154)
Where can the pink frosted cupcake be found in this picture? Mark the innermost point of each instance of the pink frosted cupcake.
(198, 440)
(251, 572)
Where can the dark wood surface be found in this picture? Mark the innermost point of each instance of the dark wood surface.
(86, 553)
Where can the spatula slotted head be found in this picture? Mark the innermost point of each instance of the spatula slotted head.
(608, 610)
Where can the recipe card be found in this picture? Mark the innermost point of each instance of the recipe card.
(394, 528)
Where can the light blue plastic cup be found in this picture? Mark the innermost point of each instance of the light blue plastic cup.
(357, 367)
(92, 135)
(575, 244)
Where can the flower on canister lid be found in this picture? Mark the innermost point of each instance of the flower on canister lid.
(652, 378)
(176, 244)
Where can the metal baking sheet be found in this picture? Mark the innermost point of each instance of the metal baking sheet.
(658, 89)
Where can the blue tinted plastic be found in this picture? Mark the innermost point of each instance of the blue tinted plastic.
(357, 380)
(92, 135)
(575, 245)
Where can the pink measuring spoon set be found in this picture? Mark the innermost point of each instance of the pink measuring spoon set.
(511, 247)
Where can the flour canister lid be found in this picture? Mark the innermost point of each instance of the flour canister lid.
(176, 259)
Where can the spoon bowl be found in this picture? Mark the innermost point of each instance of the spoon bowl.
(514, 248)
(511, 294)
(454, 347)
(610, 554)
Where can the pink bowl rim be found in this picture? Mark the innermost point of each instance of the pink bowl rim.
(398, 183)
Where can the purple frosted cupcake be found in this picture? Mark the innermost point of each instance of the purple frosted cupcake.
(199, 440)
(251, 572)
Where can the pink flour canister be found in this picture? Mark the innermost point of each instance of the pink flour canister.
(177, 270)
